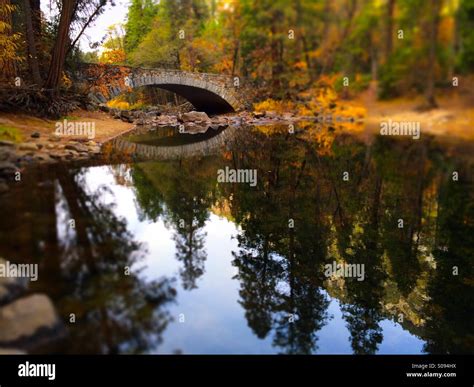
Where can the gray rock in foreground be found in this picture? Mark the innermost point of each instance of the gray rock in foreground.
(28, 321)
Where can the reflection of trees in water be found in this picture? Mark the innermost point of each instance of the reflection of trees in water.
(449, 314)
(114, 312)
(173, 191)
(279, 267)
(356, 221)
(82, 269)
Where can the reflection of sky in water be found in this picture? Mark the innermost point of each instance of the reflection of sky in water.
(214, 320)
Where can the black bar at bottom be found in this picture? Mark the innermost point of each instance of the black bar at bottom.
(122, 370)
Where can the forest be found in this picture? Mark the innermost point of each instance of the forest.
(282, 50)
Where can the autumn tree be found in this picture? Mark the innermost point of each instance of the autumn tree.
(9, 42)
(114, 46)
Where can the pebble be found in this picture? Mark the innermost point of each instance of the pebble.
(77, 147)
(29, 146)
(54, 137)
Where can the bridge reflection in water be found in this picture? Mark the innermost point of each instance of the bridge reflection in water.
(204, 144)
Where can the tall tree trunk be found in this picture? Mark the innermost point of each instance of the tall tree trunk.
(433, 23)
(31, 39)
(455, 46)
(35, 6)
(389, 30)
(235, 57)
(304, 42)
(276, 48)
(60, 46)
(373, 59)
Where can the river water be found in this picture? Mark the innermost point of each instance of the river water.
(152, 254)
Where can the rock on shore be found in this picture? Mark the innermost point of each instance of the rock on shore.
(27, 321)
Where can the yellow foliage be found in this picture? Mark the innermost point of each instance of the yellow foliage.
(350, 110)
(66, 81)
(272, 105)
(9, 42)
(118, 103)
(269, 130)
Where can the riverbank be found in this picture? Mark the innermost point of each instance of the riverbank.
(35, 140)
(454, 116)
(28, 140)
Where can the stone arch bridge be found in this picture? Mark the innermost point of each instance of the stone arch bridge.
(211, 93)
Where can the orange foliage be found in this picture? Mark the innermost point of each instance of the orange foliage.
(105, 76)
(116, 56)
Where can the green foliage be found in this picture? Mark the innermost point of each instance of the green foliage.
(392, 76)
(466, 28)
(170, 36)
(89, 57)
(140, 17)
(359, 83)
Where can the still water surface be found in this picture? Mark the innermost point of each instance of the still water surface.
(164, 259)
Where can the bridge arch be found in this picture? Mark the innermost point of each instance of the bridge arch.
(211, 93)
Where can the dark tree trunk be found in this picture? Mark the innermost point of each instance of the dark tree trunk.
(235, 58)
(35, 6)
(373, 60)
(389, 31)
(31, 39)
(435, 6)
(276, 47)
(304, 42)
(60, 46)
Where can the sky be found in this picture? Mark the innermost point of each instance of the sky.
(97, 30)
